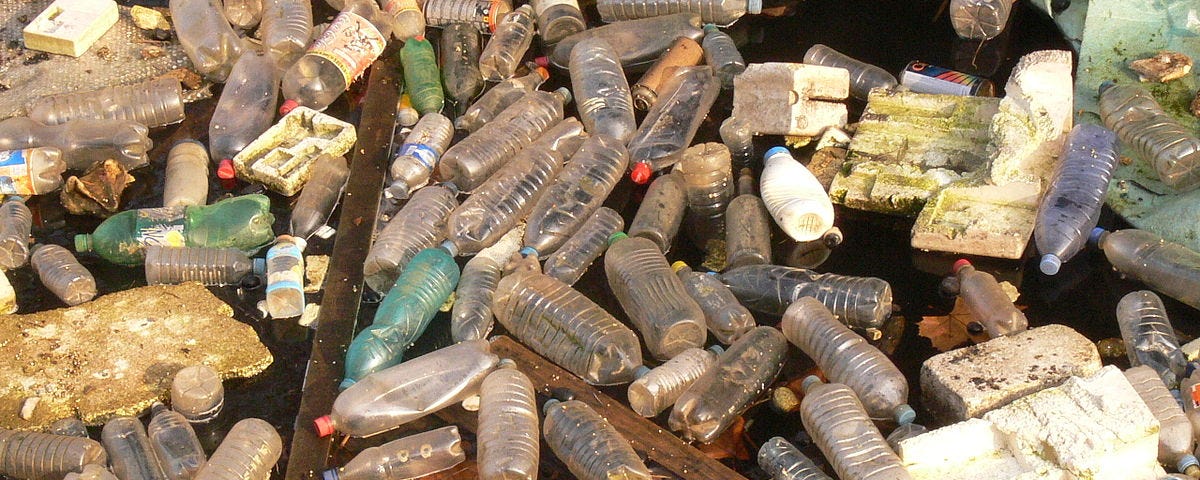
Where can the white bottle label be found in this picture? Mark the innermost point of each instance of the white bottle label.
(351, 43)
(540, 6)
(15, 177)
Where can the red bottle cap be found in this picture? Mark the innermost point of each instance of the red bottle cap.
(419, 38)
(288, 105)
(641, 173)
(960, 263)
(225, 170)
(324, 426)
(542, 61)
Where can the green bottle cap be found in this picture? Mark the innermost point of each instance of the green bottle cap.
(616, 236)
(83, 242)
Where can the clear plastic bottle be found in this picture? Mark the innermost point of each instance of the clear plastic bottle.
(1149, 338)
(285, 277)
(1071, 205)
(249, 452)
(129, 450)
(566, 327)
(739, 137)
(473, 160)
(988, 303)
(410, 457)
(471, 317)
(16, 221)
(747, 226)
(863, 76)
(483, 14)
(847, 358)
(902, 433)
(1167, 267)
(508, 44)
(91, 471)
(588, 444)
(661, 212)
(418, 156)
(638, 43)
(197, 393)
(860, 302)
(498, 98)
(671, 124)
(795, 197)
(1168, 146)
(726, 318)
(243, 14)
(339, 56)
(601, 90)
(783, 461)
(708, 183)
(722, 55)
(740, 375)
(840, 427)
(246, 108)
(720, 12)
(31, 171)
(286, 30)
(62, 274)
(152, 103)
(420, 224)
(422, 79)
(209, 266)
(572, 259)
(980, 19)
(685, 52)
(508, 435)
(187, 175)
(403, 315)
(174, 443)
(576, 193)
(43, 456)
(558, 19)
(460, 64)
(319, 196)
(206, 37)
(657, 389)
(418, 387)
(653, 297)
(408, 21)
(1175, 437)
(81, 143)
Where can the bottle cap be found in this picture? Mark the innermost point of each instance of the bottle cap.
(810, 382)
(1050, 263)
(448, 185)
(225, 170)
(775, 151)
(678, 265)
(905, 414)
(346, 383)
(419, 38)
(506, 363)
(258, 266)
(83, 242)
(959, 264)
(709, 28)
(754, 7)
(565, 94)
(1188, 462)
(717, 349)
(641, 173)
(1105, 85)
(544, 62)
(324, 426)
(288, 106)
(1096, 235)
(330, 474)
(784, 400)
(528, 251)
(494, 14)
(833, 237)
(641, 371)
(449, 247)
(616, 237)
(550, 404)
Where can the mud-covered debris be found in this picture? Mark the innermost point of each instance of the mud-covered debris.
(1163, 67)
(187, 76)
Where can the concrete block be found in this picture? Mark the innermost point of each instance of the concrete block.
(791, 98)
(282, 157)
(1035, 115)
(987, 220)
(70, 27)
(971, 381)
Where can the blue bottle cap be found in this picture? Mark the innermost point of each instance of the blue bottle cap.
(1050, 264)
(775, 151)
(905, 414)
(1094, 237)
(528, 251)
(1188, 461)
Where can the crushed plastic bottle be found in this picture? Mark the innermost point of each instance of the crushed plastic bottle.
(129, 450)
(860, 302)
(558, 19)
(62, 274)
(727, 319)
(286, 29)
(1172, 149)
(153, 103)
(980, 19)
(408, 21)
(572, 259)
(863, 76)
(460, 64)
(783, 461)
(588, 444)
(420, 224)
(657, 389)
(422, 79)
(419, 154)
(413, 456)
(840, 427)
(209, 266)
(720, 12)
(243, 14)
(511, 39)
(795, 197)
(508, 436)
(339, 56)
(685, 52)
(245, 110)
(747, 226)
(601, 90)
(575, 194)
(483, 14)
(1175, 437)
(249, 452)
(1071, 205)
(471, 317)
(671, 124)
(197, 393)
(16, 221)
(988, 303)
(174, 443)
(741, 375)
(498, 98)
(708, 183)
(206, 37)
(187, 175)
(722, 55)
(653, 297)
(637, 43)
(1149, 338)
(285, 277)
(44, 456)
(319, 196)
(661, 212)
(31, 171)
(81, 143)
(1167, 267)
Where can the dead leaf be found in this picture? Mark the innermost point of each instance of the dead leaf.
(97, 192)
(731, 444)
(949, 331)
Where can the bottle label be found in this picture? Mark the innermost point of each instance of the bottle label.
(161, 226)
(1194, 396)
(540, 6)
(922, 77)
(427, 156)
(15, 177)
(290, 276)
(394, 7)
(351, 43)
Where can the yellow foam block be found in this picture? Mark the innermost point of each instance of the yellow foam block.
(70, 27)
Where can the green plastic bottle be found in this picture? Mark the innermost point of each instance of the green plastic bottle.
(422, 79)
(241, 222)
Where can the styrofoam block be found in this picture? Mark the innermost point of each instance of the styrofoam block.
(70, 27)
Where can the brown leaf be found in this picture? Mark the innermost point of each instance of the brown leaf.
(949, 331)
(98, 192)
(731, 444)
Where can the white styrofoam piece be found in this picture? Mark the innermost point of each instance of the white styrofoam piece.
(70, 27)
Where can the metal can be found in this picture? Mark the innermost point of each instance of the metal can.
(922, 77)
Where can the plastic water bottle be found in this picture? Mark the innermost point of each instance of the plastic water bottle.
(174, 443)
(576, 193)
(1149, 338)
(726, 318)
(285, 277)
(31, 171)
(708, 183)
(737, 135)
(339, 56)
(685, 52)
(420, 224)
(661, 212)
(558, 19)
(848, 359)
(485, 15)
(863, 76)
(36, 455)
(209, 266)
(1168, 146)
(471, 317)
(795, 197)
(840, 427)
(197, 393)
(152, 103)
(422, 79)
(408, 21)
(419, 155)
(508, 436)
(91, 471)
(725, 390)
(638, 43)
(245, 110)
(62, 274)
(722, 55)
(653, 297)
(980, 19)
(671, 124)
(70, 426)
(243, 14)
(1167, 267)
(988, 303)
(206, 37)
(15, 223)
(657, 389)
(499, 98)
(783, 461)
(413, 456)
(860, 302)
(81, 143)
(566, 327)
(249, 452)
(460, 64)
(590, 446)
(747, 226)
(720, 12)
(902, 433)
(394, 396)
(403, 315)
(187, 175)
(1071, 206)
(601, 90)
(129, 450)
(319, 196)
(1175, 437)
(572, 259)
(509, 42)
(286, 30)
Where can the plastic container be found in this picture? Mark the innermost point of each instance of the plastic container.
(411, 390)
(1172, 149)
(840, 427)
(637, 43)
(498, 98)
(408, 21)
(206, 37)
(795, 197)
(243, 14)
(152, 103)
(737, 135)
(471, 161)
(727, 319)
(241, 222)
(471, 317)
(657, 389)
(62, 274)
(31, 171)
(508, 435)
(285, 277)
(1149, 338)
(43, 456)
(339, 56)
(708, 184)
(661, 212)
(80, 143)
(601, 90)
(724, 391)
(249, 452)
(783, 461)
(209, 266)
(1166, 267)
(483, 14)
(187, 175)
(286, 30)
(91, 471)
(319, 196)
(558, 19)
(1071, 205)
(197, 393)
(1175, 437)
(508, 44)
(460, 64)
(747, 227)
(860, 302)
(863, 76)
(422, 79)
(413, 456)
(129, 450)
(685, 52)
(572, 259)
(722, 55)
(245, 110)
(988, 303)
(420, 224)
(588, 444)
(847, 358)
(16, 221)
(174, 443)
(653, 297)
(70, 426)
(720, 12)
(980, 19)
(576, 193)
(671, 124)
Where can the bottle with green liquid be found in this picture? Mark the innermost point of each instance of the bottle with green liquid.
(422, 79)
(241, 222)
